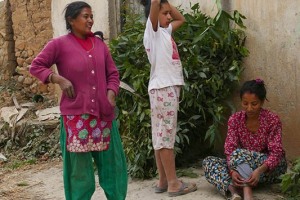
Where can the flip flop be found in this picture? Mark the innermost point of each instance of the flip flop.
(160, 190)
(184, 189)
(236, 197)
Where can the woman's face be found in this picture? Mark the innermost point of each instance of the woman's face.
(164, 16)
(251, 104)
(82, 24)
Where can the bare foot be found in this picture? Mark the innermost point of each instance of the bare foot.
(248, 195)
(162, 184)
(235, 194)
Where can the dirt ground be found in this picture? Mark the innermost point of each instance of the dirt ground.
(43, 181)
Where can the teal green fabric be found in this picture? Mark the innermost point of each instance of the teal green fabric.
(78, 171)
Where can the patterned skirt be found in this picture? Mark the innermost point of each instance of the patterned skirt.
(86, 133)
(217, 172)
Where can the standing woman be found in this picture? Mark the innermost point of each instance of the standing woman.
(89, 81)
(166, 79)
(253, 147)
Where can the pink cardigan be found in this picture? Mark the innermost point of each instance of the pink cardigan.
(91, 73)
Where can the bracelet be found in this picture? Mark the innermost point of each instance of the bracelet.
(50, 78)
(231, 172)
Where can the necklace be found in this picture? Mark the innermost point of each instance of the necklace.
(88, 51)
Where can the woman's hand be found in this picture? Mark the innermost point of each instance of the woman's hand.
(111, 97)
(237, 179)
(254, 178)
(65, 85)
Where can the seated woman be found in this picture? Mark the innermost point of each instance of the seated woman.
(253, 147)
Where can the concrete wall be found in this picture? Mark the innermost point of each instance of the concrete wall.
(273, 38)
(207, 6)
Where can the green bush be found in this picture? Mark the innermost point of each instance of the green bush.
(211, 52)
(290, 182)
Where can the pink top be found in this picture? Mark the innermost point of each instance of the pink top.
(267, 139)
(92, 73)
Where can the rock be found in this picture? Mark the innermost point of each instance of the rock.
(2, 157)
(28, 81)
(21, 79)
(43, 88)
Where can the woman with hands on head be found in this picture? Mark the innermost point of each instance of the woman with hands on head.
(89, 81)
(253, 147)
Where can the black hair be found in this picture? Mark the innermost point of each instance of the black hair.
(256, 87)
(147, 4)
(72, 10)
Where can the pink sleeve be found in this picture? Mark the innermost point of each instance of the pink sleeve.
(40, 66)
(231, 142)
(275, 148)
(112, 74)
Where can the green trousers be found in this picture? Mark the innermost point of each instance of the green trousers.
(78, 170)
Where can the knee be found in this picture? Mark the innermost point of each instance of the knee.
(237, 151)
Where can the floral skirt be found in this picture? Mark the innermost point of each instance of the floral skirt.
(86, 133)
(217, 172)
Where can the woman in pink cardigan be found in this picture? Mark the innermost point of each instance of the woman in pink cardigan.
(89, 81)
(253, 147)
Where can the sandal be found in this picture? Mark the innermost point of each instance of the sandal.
(184, 189)
(160, 190)
(236, 197)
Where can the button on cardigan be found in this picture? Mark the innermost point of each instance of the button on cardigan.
(91, 73)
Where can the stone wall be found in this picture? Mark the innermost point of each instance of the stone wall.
(31, 22)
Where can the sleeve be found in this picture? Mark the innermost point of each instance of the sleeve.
(112, 74)
(149, 29)
(148, 35)
(170, 29)
(40, 66)
(231, 141)
(275, 148)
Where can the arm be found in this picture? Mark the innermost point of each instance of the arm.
(275, 148)
(254, 177)
(275, 153)
(41, 64)
(40, 68)
(178, 18)
(154, 11)
(112, 78)
(231, 141)
(64, 84)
